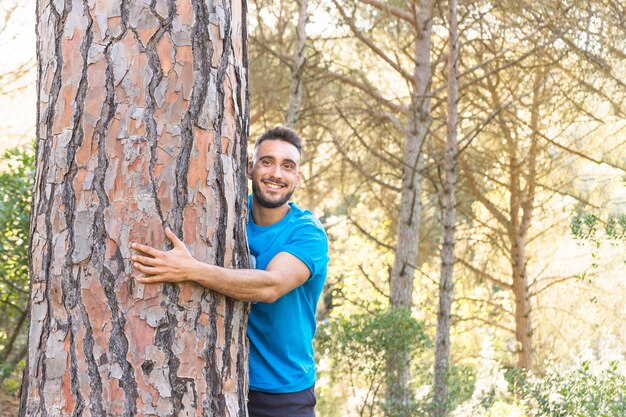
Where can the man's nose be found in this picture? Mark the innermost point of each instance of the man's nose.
(277, 171)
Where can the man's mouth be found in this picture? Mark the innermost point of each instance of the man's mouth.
(273, 185)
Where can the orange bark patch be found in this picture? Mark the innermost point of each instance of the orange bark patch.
(164, 50)
(197, 175)
(185, 12)
(186, 292)
(139, 164)
(71, 47)
(229, 127)
(203, 319)
(225, 145)
(95, 303)
(184, 56)
(83, 153)
(114, 398)
(66, 384)
(218, 45)
(189, 226)
(114, 21)
(140, 335)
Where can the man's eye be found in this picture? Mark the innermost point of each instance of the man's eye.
(266, 162)
(288, 166)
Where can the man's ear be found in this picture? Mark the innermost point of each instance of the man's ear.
(249, 170)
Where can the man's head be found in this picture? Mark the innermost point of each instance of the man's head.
(275, 167)
(279, 133)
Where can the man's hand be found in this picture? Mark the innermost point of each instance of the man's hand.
(163, 266)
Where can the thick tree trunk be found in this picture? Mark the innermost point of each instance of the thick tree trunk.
(442, 338)
(398, 390)
(142, 124)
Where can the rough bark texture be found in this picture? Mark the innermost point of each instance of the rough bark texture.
(142, 124)
(398, 392)
(442, 338)
(295, 85)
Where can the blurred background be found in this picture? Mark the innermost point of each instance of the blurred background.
(540, 194)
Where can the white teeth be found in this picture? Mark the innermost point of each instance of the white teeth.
(270, 185)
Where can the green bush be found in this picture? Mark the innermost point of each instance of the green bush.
(579, 393)
(356, 348)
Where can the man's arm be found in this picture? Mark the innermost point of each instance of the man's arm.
(284, 272)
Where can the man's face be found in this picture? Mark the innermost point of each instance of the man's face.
(275, 172)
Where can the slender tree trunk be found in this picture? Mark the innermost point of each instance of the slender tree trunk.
(398, 390)
(17, 329)
(442, 339)
(142, 124)
(523, 324)
(521, 286)
(295, 86)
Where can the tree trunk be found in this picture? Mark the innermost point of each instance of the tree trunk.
(9, 344)
(523, 324)
(142, 124)
(295, 85)
(442, 339)
(398, 390)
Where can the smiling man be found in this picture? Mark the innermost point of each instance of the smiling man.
(290, 253)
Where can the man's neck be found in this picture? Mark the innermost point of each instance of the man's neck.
(264, 216)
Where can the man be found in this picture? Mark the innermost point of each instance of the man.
(290, 251)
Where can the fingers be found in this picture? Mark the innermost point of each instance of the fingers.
(145, 260)
(171, 236)
(146, 249)
(148, 270)
(148, 279)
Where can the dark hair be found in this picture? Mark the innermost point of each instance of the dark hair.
(281, 133)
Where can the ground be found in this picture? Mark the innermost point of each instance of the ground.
(9, 404)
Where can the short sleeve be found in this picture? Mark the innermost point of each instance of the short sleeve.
(309, 244)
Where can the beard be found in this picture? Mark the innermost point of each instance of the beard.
(267, 202)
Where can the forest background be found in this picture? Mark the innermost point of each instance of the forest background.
(540, 194)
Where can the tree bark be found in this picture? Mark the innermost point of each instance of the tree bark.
(398, 390)
(142, 124)
(294, 103)
(442, 339)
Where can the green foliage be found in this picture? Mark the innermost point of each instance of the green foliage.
(461, 384)
(580, 393)
(366, 338)
(11, 375)
(356, 347)
(16, 182)
(616, 227)
(584, 226)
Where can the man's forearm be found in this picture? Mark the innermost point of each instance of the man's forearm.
(283, 273)
(241, 284)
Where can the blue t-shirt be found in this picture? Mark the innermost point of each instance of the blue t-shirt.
(281, 333)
